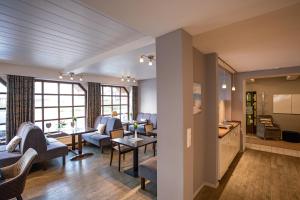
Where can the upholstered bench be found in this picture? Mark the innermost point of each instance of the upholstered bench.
(148, 170)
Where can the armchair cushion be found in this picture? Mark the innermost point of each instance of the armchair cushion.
(56, 149)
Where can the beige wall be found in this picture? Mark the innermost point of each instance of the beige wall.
(270, 86)
(147, 96)
(174, 81)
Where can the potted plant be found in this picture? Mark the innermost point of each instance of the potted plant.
(74, 122)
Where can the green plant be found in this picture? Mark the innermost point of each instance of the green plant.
(74, 119)
(135, 125)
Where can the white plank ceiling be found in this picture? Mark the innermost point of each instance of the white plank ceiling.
(57, 33)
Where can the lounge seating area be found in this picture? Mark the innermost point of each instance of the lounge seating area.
(33, 137)
(140, 100)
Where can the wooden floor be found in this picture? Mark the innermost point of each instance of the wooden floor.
(90, 178)
(257, 175)
(273, 143)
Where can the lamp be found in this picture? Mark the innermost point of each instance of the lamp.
(114, 114)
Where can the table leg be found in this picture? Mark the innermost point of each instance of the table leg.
(136, 162)
(135, 170)
(73, 142)
(80, 154)
(79, 144)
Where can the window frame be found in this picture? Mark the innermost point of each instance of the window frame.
(5, 93)
(58, 94)
(111, 97)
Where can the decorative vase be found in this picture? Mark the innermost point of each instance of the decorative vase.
(135, 134)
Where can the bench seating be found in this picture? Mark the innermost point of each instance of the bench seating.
(102, 140)
(33, 137)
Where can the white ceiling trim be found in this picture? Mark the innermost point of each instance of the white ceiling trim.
(80, 66)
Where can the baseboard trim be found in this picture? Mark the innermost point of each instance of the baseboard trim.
(205, 184)
(197, 191)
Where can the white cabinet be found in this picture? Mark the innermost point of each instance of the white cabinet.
(229, 146)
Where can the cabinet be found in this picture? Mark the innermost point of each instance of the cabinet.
(229, 146)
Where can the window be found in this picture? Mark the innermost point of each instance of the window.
(3, 93)
(115, 98)
(57, 102)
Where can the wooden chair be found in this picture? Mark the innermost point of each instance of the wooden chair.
(15, 176)
(148, 132)
(119, 133)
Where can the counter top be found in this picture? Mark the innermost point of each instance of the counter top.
(225, 131)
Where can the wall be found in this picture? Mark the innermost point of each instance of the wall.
(238, 97)
(270, 86)
(147, 96)
(199, 124)
(175, 115)
(205, 123)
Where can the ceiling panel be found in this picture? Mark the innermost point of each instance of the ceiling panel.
(55, 33)
(126, 64)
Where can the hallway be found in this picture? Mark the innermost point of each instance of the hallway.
(258, 175)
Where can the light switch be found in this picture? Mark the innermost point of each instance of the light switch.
(188, 137)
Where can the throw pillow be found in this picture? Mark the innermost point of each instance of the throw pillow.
(11, 146)
(101, 128)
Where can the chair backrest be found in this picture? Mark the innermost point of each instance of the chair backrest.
(148, 128)
(118, 133)
(153, 120)
(113, 124)
(97, 121)
(139, 117)
(16, 175)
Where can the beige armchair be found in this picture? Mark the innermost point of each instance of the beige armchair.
(15, 176)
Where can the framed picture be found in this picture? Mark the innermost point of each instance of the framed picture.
(197, 96)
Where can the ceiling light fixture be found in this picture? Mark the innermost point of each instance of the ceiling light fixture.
(224, 86)
(233, 83)
(128, 79)
(147, 58)
(71, 75)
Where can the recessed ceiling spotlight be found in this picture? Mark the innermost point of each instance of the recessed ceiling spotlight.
(60, 76)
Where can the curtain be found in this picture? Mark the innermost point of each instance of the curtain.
(20, 103)
(134, 101)
(94, 103)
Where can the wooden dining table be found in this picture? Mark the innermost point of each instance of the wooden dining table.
(127, 141)
(78, 132)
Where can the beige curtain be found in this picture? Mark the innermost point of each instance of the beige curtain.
(20, 103)
(94, 103)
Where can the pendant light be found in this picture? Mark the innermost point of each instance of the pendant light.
(224, 86)
(233, 83)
